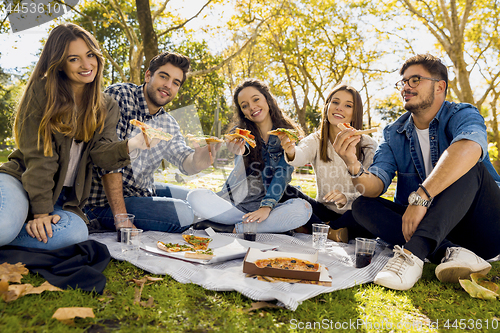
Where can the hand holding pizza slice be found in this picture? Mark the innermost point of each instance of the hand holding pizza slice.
(292, 134)
(151, 132)
(203, 138)
(243, 134)
(344, 126)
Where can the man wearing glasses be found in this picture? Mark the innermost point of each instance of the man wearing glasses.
(447, 202)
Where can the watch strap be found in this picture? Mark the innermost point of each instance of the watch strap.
(426, 192)
(360, 172)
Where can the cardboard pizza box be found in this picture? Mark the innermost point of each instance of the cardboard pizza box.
(253, 254)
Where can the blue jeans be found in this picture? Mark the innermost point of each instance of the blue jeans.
(14, 206)
(168, 211)
(465, 214)
(285, 216)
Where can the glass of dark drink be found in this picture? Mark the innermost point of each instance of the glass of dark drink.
(365, 248)
(250, 231)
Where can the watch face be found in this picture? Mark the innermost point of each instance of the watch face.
(412, 199)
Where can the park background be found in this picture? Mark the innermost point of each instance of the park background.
(301, 49)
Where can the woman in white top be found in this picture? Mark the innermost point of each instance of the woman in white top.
(335, 190)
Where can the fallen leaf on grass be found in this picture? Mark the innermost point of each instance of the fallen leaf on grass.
(66, 315)
(478, 291)
(149, 303)
(483, 281)
(260, 305)
(12, 273)
(138, 291)
(18, 290)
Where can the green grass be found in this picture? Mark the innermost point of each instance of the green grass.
(3, 155)
(190, 308)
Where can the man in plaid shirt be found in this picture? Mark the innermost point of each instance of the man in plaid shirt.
(132, 189)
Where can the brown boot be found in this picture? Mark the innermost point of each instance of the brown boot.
(338, 235)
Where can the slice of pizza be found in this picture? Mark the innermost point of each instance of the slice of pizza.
(203, 138)
(198, 243)
(292, 134)
(170, 247)
(151, 132)
(288, 263)
(206, 254)
(243, 134)
(344, 126)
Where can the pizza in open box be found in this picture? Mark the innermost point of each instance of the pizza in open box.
(288, 263)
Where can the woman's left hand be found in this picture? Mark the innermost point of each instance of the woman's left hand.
(41, 226)
(258, 216)
(336, 196)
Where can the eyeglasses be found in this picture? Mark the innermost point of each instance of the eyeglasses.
(413, 81)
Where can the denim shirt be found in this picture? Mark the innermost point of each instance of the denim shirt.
(400, 150)
(276, 174)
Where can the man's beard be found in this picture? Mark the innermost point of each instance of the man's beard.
(423, 105)
(151, 92)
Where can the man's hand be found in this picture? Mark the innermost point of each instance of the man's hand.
(41, 226)
(288, 146)
(337, 197)
(141, 141)
(203, 157)
(124, 223)
(258, 216)
(236, 146)
(411, 219)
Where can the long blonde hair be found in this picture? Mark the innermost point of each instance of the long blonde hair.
(62, 114)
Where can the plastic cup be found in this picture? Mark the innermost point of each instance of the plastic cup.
(365, 248)
(121, 219)
(131, 242)
(320, 233)
(250, 231)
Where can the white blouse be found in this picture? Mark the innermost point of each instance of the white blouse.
(331, 175)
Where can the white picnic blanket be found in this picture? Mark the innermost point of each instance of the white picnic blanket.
(228, 276)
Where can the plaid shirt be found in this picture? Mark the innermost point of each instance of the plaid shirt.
(138, 177)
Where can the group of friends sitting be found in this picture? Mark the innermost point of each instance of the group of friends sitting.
(80, 158)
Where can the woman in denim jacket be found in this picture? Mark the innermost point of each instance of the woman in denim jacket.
(255, 186)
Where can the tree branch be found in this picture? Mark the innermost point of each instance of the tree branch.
(185, 22)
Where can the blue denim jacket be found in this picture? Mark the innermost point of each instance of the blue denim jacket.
(276, 174)
(400, 150)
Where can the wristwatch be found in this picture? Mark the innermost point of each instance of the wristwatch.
(415, 199)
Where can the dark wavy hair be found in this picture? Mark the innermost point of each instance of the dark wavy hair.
(177, 60)
(356, 121)
(279, 119)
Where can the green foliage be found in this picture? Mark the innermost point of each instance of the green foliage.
(205, 92)
(9, 93)
(390, 108)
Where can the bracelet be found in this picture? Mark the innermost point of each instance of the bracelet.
(360, 172)
(425, 191)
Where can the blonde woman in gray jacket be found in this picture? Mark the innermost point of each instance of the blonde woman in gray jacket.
(64, 125)
(335, 190)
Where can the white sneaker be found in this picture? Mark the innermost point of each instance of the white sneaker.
(401, 271)
(459, 263)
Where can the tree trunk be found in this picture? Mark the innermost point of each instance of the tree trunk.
(149, 38)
